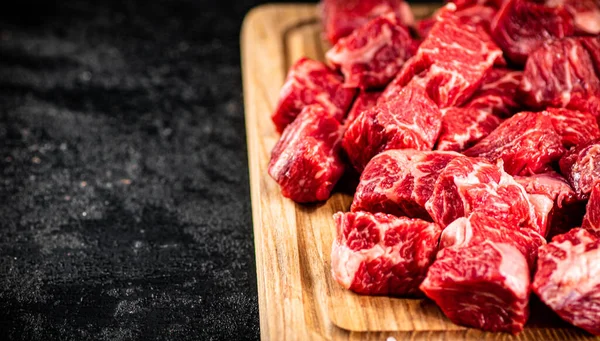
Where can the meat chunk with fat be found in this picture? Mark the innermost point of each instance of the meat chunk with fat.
(497, 93)
(400, 182)
(581, 166)
(463, 127)
(373, 54)
(477, 228)
(341, 17)
(585, 13)
(311, 82)
(550, 184)
(568, 278)
(591, 220)
(575, 127)
(526, 142)
(484, 286)
(411, 120)
(363, 102)
(306, 161)
(521, 26)
(561, 74)
(468, 185)
(380, 254)
(454, 59)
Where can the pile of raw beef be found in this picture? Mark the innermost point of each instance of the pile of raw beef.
(475, 133)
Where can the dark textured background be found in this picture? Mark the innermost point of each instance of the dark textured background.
(124, 199)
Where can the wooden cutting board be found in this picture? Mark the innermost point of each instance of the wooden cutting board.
(298, 299)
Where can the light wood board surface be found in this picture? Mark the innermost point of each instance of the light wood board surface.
(298, 299)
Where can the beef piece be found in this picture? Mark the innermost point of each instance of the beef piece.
(363, 102)
(424, 25)
(585, 13)
(380, 254)
(575, 127)
(373, 54)
(550, 184)
(581, 166)
(470, 185)
(484, 286)
(311, 82)
(400, 182)
(477, 228)
(454, 58)
(306, 161)
(463, 127)
(521, 26)
(568, 278)
(527, 142)
(560, 74)
(341, 17)
(408, 121)
(591, 220)
(497, 93)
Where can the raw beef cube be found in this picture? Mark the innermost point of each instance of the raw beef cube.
(591, 220)
(521, 26)
(363, 102)
(477, 228)
(373, 54)
(586, 15)
(311, 82)
(463, 127)
(380, 254)
(484, 286)
(400, 182)
(470, 185)
(550, 184)
(568, 278)
(558, 73)
(581, 166)
(341, 17)
(574, 127)
(497, 93)
(455, 58)
(306, 160)
(408, 121)
(527, 142)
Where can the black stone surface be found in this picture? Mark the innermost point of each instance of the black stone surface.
(124, 197)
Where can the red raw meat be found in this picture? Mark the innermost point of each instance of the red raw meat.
(591, 220)
(423, 26)
(575, 127)
(311, 82)
(463, 127)
(560, 74)
(456, 58)
(527, 142)
(408, 121)
(568, 278)
(306, 161)
(581, 166)
(470, 185)
(373, 54)
(477, 228)
(497, 93)
(341, 17)
(400, 182)
(380, 254)
(550, 184)
(521, 26)
(363, 102)
(484, 286)
(586, 15)
(477, 15)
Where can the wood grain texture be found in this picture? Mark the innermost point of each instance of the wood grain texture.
(298, 299)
